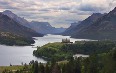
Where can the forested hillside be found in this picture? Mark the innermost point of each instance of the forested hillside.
(11, 39)
(63, 51)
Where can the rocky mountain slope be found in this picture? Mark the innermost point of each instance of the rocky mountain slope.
(82, 25)
(102, 28)
(16, 18)
(13, 33)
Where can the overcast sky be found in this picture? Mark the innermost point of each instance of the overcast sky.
(59, 13)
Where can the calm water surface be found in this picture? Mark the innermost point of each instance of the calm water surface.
(15, 55)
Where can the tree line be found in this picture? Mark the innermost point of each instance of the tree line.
(96, 63)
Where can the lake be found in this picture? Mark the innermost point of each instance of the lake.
(16, 55)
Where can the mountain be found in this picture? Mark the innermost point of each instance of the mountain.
(39, 27)
(59, 30)
(16, 18)
(103, 28)
(83, 24)
(9, 25)
(12, 33)
(45, 28)
(69, 30)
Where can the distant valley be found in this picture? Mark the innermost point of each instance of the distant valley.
(39, 27)
(45, 28)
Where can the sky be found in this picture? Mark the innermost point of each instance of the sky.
(59, 13)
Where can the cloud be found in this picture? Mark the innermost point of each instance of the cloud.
(45, 10)
(64, 8)
(57, 12)
(96, 5)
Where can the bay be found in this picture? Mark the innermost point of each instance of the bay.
(16, 55)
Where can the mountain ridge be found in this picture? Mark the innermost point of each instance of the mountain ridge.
(8, 24)
(39, 27)
(16, 18)
(103, 28)
(84, 24)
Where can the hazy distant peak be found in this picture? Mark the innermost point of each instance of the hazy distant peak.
(41, 23)
(45, 28)
(7, 11)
